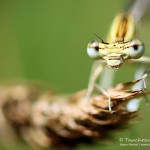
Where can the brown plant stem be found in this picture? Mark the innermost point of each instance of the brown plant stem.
(48, 120)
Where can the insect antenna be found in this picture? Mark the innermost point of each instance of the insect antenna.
(100, 39)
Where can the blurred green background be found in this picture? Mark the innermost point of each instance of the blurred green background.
(46, 41)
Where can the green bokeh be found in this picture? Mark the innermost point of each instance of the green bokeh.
(46, 40)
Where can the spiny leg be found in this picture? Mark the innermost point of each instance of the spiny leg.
(140, 75)
(145, 61)
(146, 73)
(97, 68)
(143, 74)
(134, 104)
(99, 88)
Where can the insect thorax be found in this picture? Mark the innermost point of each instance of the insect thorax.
(122, 29)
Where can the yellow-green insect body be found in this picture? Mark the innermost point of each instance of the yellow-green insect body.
(122, 45)
(123, 28)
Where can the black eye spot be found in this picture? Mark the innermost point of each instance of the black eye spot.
(135, 47)
(97, 48)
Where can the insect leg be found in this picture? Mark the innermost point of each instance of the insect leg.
(97, 68)
(99, 88)
(133, 105)
(144, 60)
(106, 81)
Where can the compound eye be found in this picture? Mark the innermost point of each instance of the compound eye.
(137, 49)
(93, 49)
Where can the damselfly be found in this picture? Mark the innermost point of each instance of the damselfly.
(122, 46)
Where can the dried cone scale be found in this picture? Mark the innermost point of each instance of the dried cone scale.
(46, 120)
